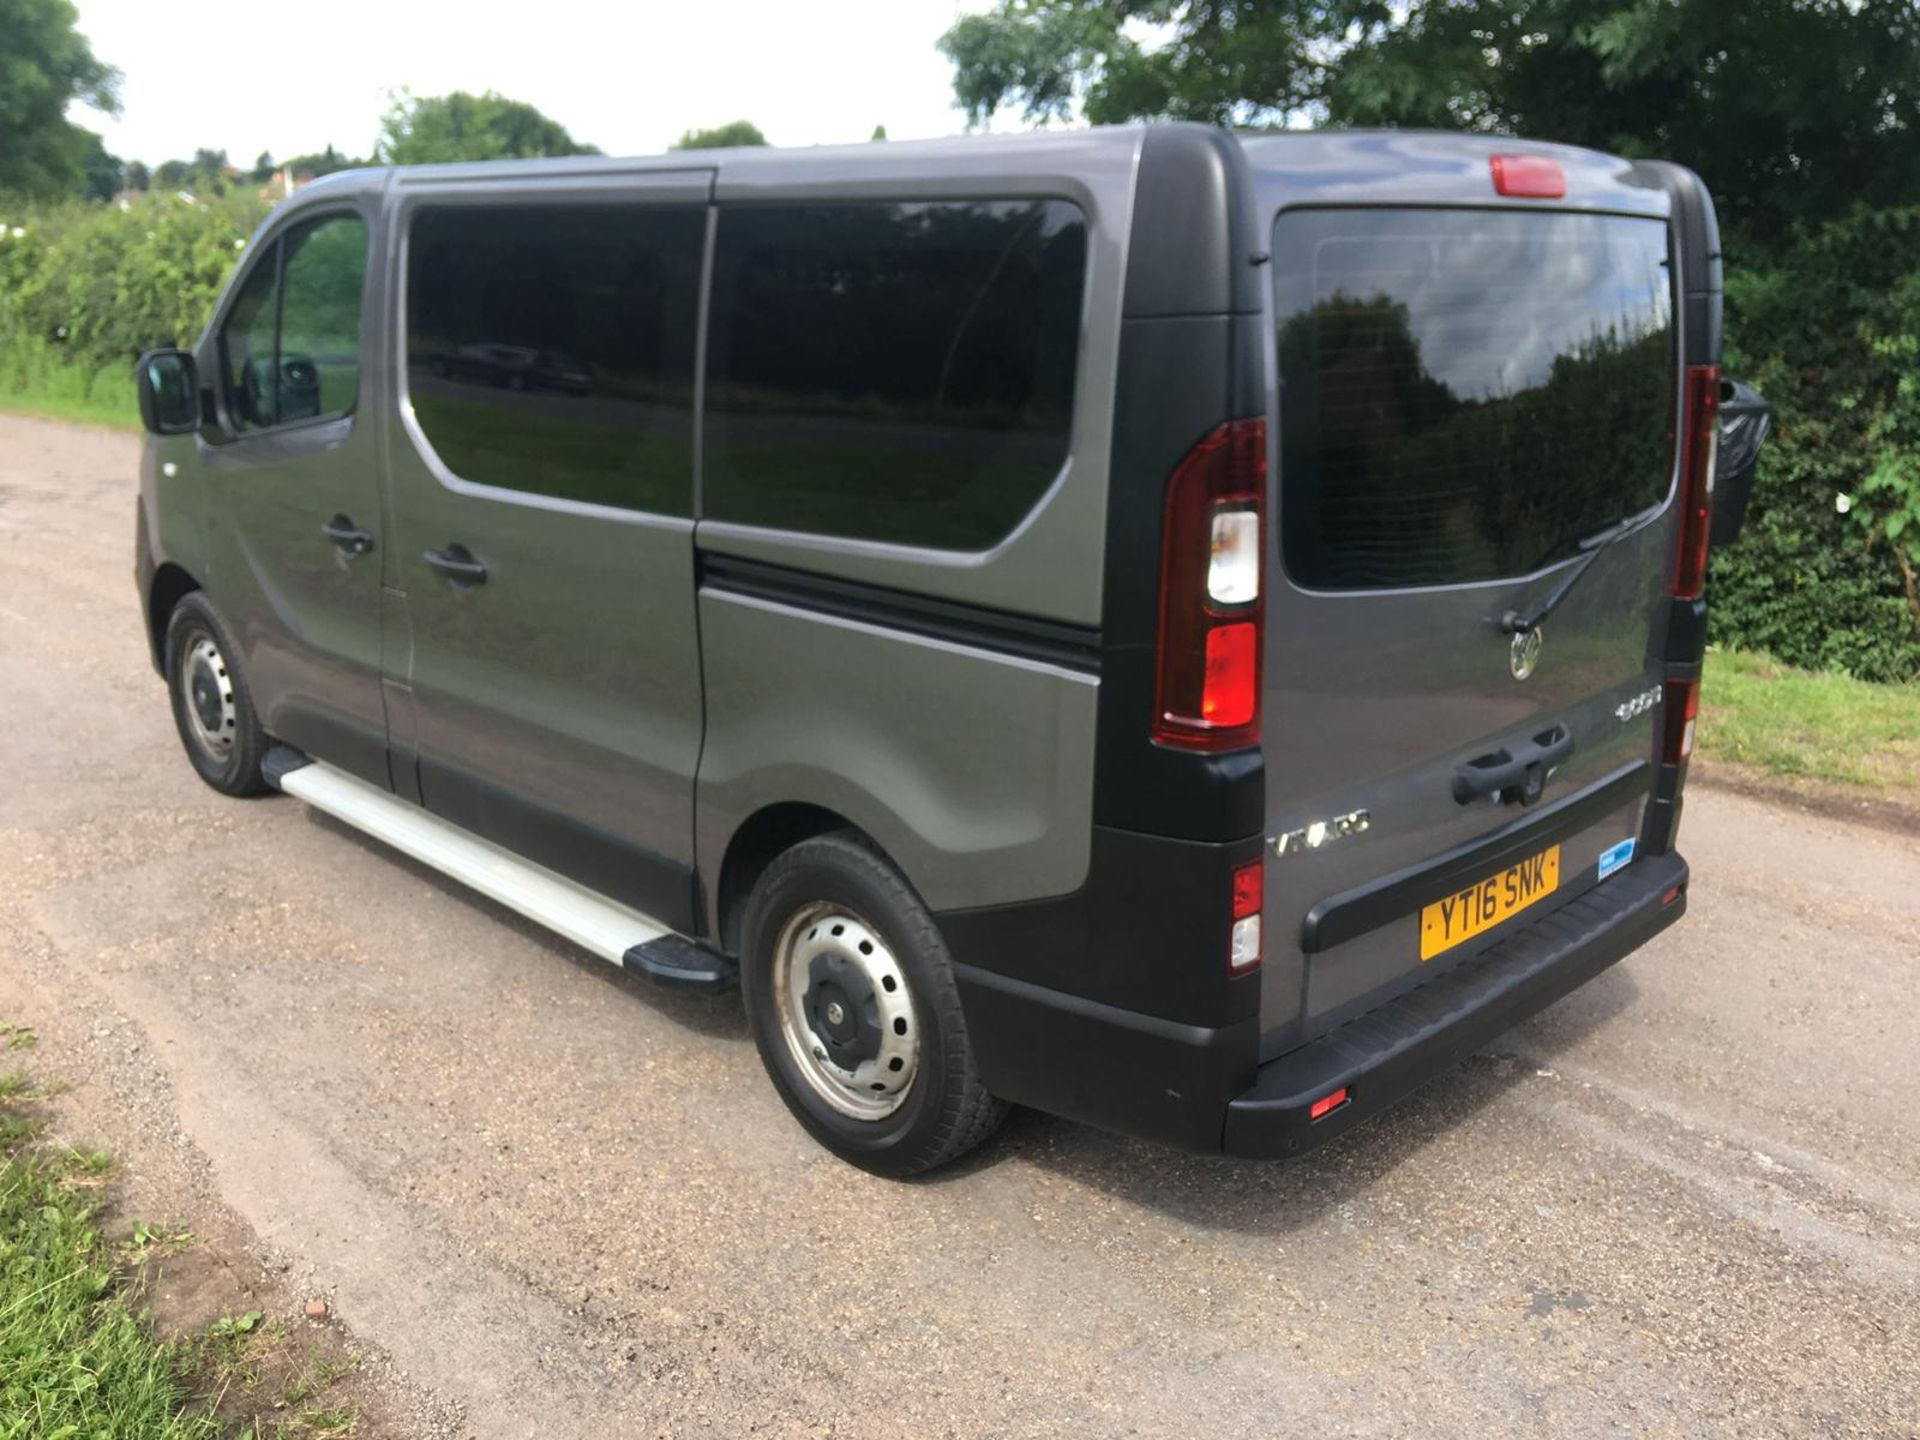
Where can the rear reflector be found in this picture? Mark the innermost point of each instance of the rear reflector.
(1327, 1104)
(1681, 702)
(1528, 177)
(1672, 895)
(1700, 446)
(1207, 667)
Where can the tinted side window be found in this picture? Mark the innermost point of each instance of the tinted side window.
(550, 348)
(246, 345)
(291, 344)
(896, 372)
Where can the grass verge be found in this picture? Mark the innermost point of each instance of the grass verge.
(1805, 725)
(35, 380)
(76, 1360)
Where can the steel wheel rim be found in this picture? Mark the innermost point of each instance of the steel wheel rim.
(826, 956)
(207, 698)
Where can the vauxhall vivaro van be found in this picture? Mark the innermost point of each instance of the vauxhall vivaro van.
(1187, 631)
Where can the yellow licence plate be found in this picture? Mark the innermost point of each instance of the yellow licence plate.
(1461, 916)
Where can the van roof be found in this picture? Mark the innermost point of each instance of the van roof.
(1323, 165)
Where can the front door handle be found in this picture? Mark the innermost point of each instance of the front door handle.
(456, 562)
(1516, 773)
(351, 539)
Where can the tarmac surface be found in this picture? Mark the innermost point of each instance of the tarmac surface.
(1685, 1201)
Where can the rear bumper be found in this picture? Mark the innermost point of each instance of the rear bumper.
(1199, 1087)
(1382, 1055)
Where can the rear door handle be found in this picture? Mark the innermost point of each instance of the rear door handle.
(1516, 773)
(456, 562)
(351, 539)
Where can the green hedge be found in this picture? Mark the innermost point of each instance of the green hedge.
(1827, 327)
(1829, 331)
(84, 288)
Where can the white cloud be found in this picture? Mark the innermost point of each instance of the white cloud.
(293, 78)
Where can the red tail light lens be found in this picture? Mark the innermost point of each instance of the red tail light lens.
(1682, 705)
(1700, 445)
(1213, 547)
(1528, 177)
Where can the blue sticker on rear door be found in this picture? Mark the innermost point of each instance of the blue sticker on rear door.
(1612, 860)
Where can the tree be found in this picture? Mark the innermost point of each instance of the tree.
(323, 162)
(879, 133)
(138, 176)
(1791, 109)
(45, 65)
(734, 132)
(434, 129)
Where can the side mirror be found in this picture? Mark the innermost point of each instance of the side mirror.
(1745, 422)
(169, 389)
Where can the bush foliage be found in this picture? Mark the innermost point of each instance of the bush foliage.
(1828, 330)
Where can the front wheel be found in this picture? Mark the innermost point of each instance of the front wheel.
(212, 707)
(851, 999)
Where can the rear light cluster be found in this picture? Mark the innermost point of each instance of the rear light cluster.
(1681, 705)
(1207, 685)
(1699, 446)
(1243, 948)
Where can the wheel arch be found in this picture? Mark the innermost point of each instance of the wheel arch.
(756, 843)
(170, 585)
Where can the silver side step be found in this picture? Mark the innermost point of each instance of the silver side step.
(590, 920)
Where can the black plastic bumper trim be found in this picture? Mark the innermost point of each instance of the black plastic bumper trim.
(280, 761)
(1101, 1065)
(1353, 913)
(682, 964)
(1382, 1055)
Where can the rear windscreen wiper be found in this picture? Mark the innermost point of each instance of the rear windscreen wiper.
(1519, 622)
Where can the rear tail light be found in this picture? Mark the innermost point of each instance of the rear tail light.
(1682, 706)
(1207, 681)
(1243, 952)
(1528, 177)
(1700, 445)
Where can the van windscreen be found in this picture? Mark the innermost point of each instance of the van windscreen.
(1466, 394)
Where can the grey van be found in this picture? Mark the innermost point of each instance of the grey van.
(1190, 632)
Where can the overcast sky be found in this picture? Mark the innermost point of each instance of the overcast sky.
(292, 76)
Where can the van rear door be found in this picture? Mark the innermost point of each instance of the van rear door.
(1474, 417)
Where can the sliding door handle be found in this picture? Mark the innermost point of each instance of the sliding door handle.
(456, 562)
(349, 537)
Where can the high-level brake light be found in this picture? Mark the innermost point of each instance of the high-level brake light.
(1528, 177)
(1213, 545)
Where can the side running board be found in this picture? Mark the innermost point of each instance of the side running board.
(590, 920)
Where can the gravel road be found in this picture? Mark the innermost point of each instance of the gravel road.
(1685, 1201)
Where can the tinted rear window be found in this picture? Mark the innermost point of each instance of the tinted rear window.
(1466, 394)
(550, 347)
(891, 371)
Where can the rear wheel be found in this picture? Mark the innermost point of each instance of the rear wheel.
(212, 708)
(851, 998)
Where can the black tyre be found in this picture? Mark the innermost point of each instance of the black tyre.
(212, 707)
(851, 998)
